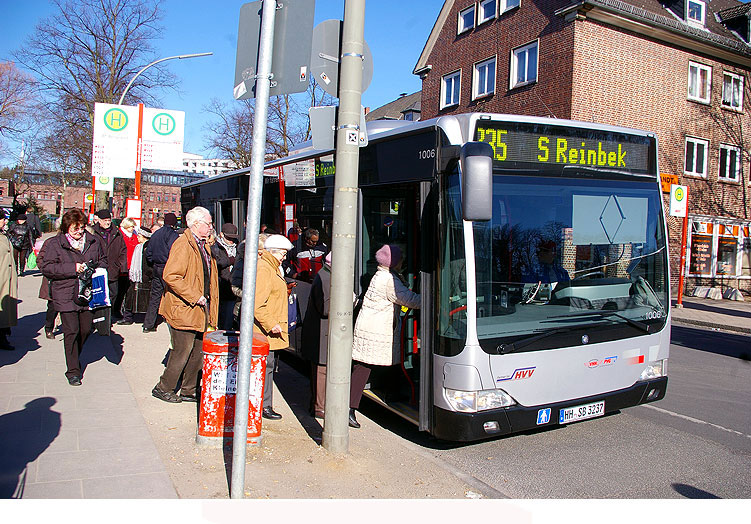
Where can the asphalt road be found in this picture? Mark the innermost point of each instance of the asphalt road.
(695, 443)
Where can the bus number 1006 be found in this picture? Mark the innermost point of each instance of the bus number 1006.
(425, 154)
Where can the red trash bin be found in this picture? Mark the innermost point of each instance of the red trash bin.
(216, 415)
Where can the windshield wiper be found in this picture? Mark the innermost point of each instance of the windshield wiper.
(604, 314)
(505, 349)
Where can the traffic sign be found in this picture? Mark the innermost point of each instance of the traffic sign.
(678, 200)
(326, 52)
(290, 63)
(114, 144)
(163, 136)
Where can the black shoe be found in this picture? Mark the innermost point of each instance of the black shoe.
(270, 414)
(49, 334)
(165, 396)
(352, 420)
(149, 330)
(124, 322)
(189, 398)
(74, 381)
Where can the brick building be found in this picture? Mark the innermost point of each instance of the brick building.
(160, 193)
(678, 68)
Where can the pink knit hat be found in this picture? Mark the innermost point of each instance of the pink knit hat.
(388, 255)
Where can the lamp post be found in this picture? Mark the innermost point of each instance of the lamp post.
(180, 57)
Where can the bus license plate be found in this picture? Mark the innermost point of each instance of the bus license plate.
(586, 411)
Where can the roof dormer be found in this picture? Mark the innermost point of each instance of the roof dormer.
(738, 20)
(695, 12)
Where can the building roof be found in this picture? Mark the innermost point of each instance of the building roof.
(395, 110)
(648, 16)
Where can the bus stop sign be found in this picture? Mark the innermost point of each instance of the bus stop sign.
(290, 63)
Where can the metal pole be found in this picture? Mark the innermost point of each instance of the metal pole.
(180, 57)
(253, 219)
(682, 267)
(336, 421)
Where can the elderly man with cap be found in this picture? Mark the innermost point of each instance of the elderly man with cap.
(115, 250)
(157, 252)
(190, 305)
(271, 310)
(225, 251)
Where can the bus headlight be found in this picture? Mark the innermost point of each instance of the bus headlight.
(655, 370)
(473, 401)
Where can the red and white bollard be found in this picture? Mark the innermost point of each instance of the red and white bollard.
(216, 414)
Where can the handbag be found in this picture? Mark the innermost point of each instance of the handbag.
(100, 291)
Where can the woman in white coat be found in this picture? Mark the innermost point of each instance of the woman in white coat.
(377, 334)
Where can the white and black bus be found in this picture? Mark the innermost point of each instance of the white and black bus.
(544, 280)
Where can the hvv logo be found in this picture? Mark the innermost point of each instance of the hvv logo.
(518, 374)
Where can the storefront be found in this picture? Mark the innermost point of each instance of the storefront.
(719, 251)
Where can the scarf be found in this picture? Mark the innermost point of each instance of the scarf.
(135, 272)
(76, 244)
(229, 247)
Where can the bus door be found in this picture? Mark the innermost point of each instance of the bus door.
(230, 212)
(390, 215)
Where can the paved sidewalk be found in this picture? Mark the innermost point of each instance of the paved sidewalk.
(725, 315)
(61, 441)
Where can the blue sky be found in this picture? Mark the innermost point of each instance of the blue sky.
(395, 31)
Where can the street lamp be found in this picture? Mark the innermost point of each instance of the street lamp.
(194, 55)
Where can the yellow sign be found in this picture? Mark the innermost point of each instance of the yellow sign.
(667, 180)
(116, 119)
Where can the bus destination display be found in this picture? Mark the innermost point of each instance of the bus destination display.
(550, 148)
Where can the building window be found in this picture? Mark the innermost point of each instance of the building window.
(698, 82)
(730, 163)
(732, 91)
(450, 89)
(696, 157)
(507, 5)
(487, 11)
(524, 65)
(695, 10)
(466, 19)
(483, 83)
(746, 253)
(700, 261)
(719, 248)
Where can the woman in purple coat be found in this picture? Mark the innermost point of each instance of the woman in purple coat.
(64, 258)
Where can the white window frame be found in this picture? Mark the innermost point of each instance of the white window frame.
(460, 27)
(726, 149)
(476, 78)
(694, 21)
(734, 77)
(508, 5)
(515, 64)
(695, 141)
(480, 11)
(697, 96)
(453, 75)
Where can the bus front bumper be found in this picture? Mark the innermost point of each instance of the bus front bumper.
(465, 427)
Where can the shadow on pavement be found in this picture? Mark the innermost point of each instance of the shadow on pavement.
(98, 347)
(730, 345)
(715, 309)
(691, 492)
(25, 434)
(291, 381)
(23, 337)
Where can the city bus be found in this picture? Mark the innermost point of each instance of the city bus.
(538, 247)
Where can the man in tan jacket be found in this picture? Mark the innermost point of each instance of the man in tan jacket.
(190, 305)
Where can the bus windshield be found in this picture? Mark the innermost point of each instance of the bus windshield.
(565, 254)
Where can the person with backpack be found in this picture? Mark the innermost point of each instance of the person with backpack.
(20, 236)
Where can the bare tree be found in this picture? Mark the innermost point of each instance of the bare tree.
(230, 135)
(87, 52)
(16, 100)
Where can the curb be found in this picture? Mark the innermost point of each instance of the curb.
(711, 325)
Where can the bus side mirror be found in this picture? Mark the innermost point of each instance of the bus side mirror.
(476, 160)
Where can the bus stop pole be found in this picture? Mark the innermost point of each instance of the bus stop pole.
(253, 219)
(336, 413)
